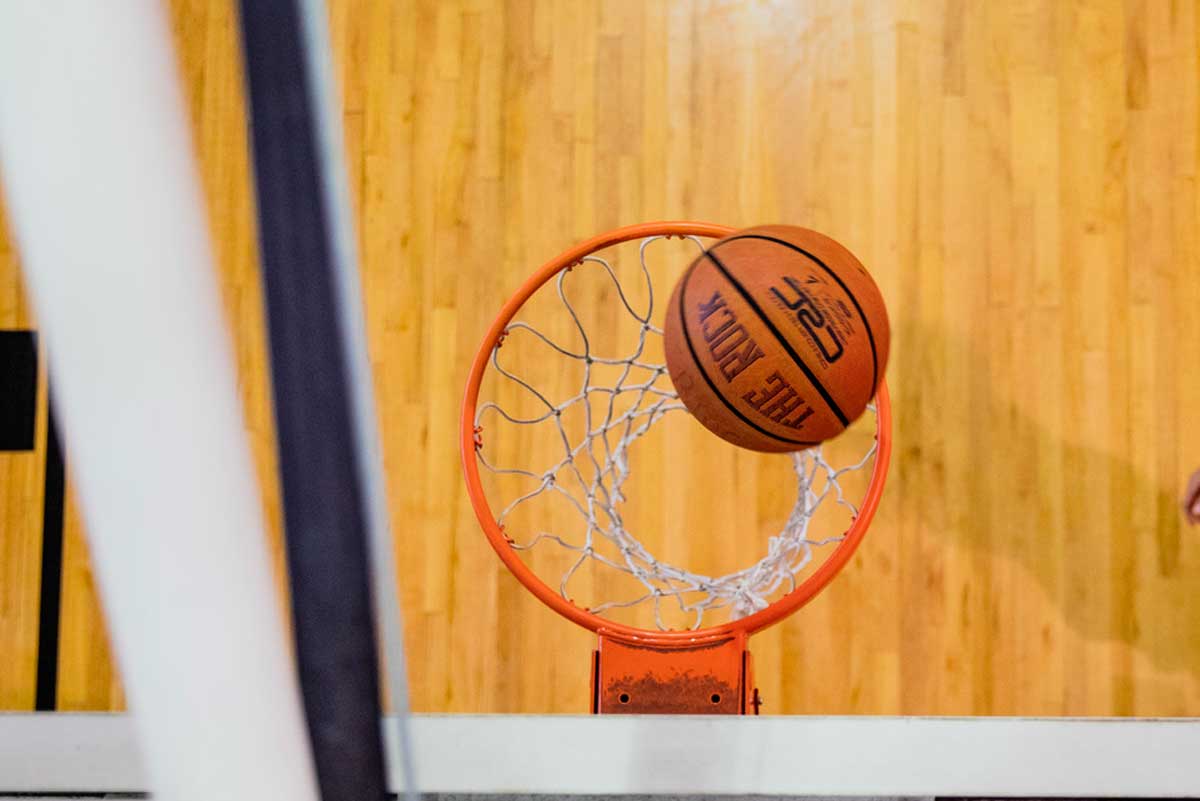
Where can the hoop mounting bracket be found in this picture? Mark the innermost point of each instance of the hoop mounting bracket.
(713, 677)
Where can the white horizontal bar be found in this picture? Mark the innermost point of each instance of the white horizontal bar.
(863, 756)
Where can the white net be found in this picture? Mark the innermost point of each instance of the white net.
(569, 403)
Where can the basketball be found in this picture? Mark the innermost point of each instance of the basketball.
(776, 338)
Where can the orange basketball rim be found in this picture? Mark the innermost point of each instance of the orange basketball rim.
(706, 670)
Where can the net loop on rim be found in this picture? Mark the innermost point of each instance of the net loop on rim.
(590, 470)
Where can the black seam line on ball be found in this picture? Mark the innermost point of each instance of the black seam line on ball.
(835, 277)
(687, 338)
(833, 407)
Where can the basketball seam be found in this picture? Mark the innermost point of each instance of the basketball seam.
(687, 338)
(787, 346)
(862, 315)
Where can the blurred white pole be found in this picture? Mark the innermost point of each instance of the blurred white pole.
(95, 153)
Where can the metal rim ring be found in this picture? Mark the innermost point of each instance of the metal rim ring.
(804, 592)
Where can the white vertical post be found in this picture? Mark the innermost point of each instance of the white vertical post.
(95, 154)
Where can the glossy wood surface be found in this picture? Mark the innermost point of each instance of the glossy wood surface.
(1019, 176)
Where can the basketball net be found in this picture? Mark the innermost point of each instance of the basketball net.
(620, 398)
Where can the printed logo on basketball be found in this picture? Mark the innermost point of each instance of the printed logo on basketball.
(808, 310)
(729, 344)
(777, 399)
